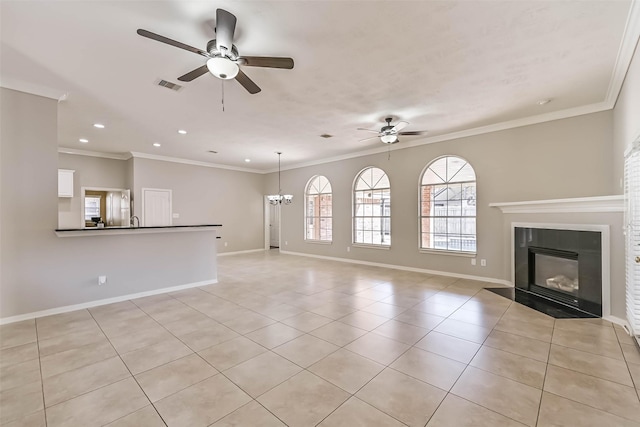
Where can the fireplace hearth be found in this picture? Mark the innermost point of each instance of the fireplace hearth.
(562, 266)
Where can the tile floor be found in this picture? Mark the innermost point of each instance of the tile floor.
(285, 340)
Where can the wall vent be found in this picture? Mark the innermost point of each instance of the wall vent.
(169, 85)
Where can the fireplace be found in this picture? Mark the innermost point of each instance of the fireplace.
(563, 266)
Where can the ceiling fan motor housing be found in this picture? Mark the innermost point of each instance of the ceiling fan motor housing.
(213, 51)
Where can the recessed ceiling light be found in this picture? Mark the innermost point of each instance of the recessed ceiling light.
(98, 125)
(543, 101)
(182, 131)
(247, 160)
(83, 140)
(156, 144)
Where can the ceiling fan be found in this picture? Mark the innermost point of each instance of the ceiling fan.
(388, 134)
(223, 59)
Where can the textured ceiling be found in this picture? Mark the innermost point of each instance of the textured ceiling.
(444, 66)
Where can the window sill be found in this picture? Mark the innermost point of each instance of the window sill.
(365, 246)
(319, 242)
(442, 252)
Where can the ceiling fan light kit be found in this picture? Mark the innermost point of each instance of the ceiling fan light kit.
(223, 61)
(388, 133)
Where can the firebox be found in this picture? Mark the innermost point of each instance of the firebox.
(564, 266)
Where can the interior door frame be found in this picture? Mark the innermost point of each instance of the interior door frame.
(267, 229)
(142, 191)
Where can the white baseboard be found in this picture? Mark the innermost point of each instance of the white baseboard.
(241, 252)
(617, 321)
(402, 267)
(67, 308)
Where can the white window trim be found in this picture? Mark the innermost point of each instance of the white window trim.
(305, 217)
(353, 213)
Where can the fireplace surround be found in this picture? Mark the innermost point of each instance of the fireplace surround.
(561, 265)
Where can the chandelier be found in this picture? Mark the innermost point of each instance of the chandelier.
(279, 198)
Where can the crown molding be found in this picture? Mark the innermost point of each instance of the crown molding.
(630, 39)
(613, 203)
(192, 162)
(88, 153)
(32, 88)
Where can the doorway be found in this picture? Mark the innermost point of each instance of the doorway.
(156, 207)
(271, 225)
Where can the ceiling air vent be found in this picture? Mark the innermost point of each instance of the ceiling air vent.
(326, 135)
(212, 152)
(169, 85)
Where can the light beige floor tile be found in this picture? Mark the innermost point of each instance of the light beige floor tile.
(429, 367)
(384, 309)
(580, 327)
(526, 314)
(556, 411)
(36, 419)
(64, 361)
(363, 320)
(203, 403)
(347, 370)
(307, 321)
(59, 328)
(420, 319)
(405, 300)
(402, 397)
(18, 354)
(19, 333)
(305, 350)
(60, 321)
(635, 374)
(622, 335)
(230, 353)
(528, 347)
(631, 353)
(333, 311)
(70, 341)
(125, 343)
(480, 318)
(98, 407)
(173, 311)
(466, 331)
(172, 377)
(145, 417)
(400, 331)
(249, 323)
(115, 308)
(437, 309)
(186, 326)
(529, 330)
(378, 348)
(155, 355)
(587, 343)
(19, 374)
(507, 397)
(20, 401)
(458, 412)
(251, 414)
(449, 346)
(303, 400)
(338, 333)
(70, 384)
(595, 392)
(117, 328)
(274, 335)
(519, 368)
(261, 373)
(281, 311)
(356, 413)
(590, 364)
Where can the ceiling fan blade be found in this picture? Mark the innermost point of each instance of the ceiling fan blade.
(369, 130)
(247, 83)
(399, 126)
(366, 139)
(163, 39)
(225, 27)
(267, 61)
(414, 132)
(192, 75)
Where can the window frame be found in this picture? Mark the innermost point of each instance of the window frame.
(421, 217)
(383, 246)
(320, 217)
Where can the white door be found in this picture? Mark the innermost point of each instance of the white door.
(156, 207)
(274, 226)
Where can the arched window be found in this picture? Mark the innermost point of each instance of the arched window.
(372, 208)
(317, 202)
(448, 206)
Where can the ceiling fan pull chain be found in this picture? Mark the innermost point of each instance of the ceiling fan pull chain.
(222, 81)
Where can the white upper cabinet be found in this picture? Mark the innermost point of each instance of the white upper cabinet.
(65, 182)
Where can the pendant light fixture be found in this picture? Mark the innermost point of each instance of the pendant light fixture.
(279, 198)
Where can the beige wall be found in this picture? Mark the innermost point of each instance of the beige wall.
(203, 195)
(41, 271)
(626, 120)
(89, 172)
(560, 159)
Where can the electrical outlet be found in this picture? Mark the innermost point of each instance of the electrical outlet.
(225, 244)
(176, 215)
(102, 280)
(483, 262)
(348, 248)
(473, 261)
(286, 243)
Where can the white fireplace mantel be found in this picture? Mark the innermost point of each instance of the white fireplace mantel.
(577, 205)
